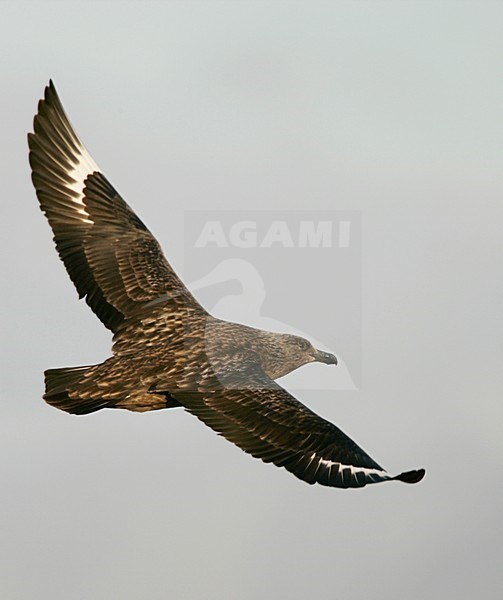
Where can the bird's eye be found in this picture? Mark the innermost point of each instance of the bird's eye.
(303, 344)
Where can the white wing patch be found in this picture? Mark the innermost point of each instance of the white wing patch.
(83, 166)
(374, 474)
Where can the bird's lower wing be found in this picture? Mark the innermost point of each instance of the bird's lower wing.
(272, 425)
(111, 257)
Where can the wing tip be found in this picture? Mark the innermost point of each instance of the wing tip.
(414, 476)
(50, 92)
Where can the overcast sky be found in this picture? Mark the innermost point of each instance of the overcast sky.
(391, 110)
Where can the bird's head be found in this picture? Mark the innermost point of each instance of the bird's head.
(287, 352)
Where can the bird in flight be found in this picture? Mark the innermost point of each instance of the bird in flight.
(168, 351)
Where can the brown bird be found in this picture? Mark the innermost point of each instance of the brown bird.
(168, 351)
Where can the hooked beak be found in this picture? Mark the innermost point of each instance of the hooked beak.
(325, 357)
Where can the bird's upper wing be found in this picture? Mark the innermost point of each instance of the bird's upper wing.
(111, 257)
(264, 420)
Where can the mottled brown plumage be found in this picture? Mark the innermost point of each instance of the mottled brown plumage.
(167, 350)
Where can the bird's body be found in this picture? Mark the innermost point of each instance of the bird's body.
(157, 355)
(168, 351)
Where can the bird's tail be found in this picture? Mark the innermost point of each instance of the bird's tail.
(64, 389)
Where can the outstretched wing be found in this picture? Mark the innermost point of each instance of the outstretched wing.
(111, 257)
(264, 420)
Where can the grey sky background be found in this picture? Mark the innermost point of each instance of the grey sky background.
(389, 108)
